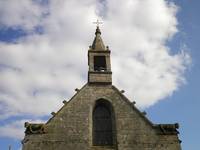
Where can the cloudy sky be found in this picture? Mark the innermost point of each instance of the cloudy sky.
(43, 58)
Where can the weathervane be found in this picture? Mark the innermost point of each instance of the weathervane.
(98, 23)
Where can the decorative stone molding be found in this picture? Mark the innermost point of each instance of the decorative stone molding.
(33, 128)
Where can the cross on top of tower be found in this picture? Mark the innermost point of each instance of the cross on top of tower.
(98, 23)
(97, 29)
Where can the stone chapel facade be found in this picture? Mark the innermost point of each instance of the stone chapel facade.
(100, 117)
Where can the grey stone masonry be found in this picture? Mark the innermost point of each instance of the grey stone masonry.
(71, 127)
(102, 74)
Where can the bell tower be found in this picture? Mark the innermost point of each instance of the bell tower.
(99, 61)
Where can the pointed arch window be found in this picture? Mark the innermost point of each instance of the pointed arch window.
(102, 124)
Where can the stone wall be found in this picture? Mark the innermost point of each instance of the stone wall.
(71, 127)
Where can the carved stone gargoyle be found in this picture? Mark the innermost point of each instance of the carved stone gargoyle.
(34, 128)
(169, 128)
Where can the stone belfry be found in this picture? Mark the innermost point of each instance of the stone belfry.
(100, 117)
(99, 61)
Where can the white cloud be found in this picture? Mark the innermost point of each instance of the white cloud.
(40, 70)
(26, 13)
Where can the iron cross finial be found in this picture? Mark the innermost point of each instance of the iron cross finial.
(98, 23)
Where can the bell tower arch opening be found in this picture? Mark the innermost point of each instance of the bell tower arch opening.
(100, 63)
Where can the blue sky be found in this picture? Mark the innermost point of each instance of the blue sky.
(183, 105)
(45, 37)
